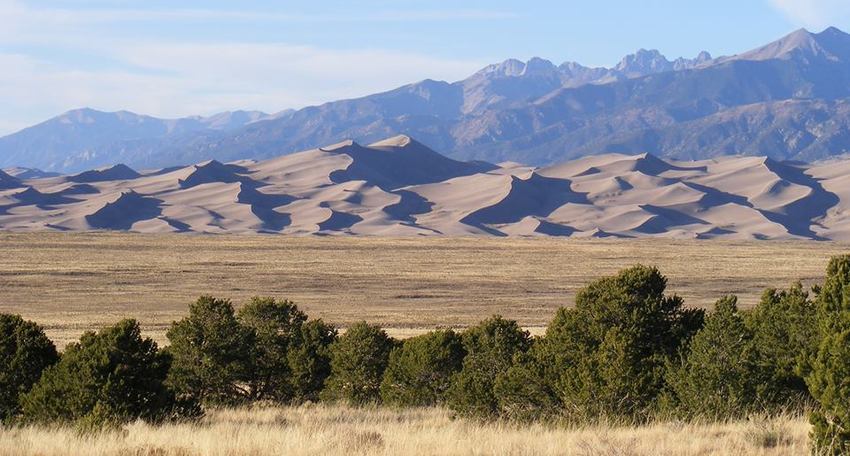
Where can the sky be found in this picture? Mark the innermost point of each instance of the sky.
(203, 57)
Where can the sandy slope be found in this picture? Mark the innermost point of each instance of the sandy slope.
(399, 187)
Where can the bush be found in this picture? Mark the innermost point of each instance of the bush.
(785, 334)
(274, 324)
(24, 353)
(358, 361)
(491, 347)
(610, 353)
(830, 385)
(212, 354)
(829, 376)
(110, 377)
(419, 373)
(309, 359)
(720, 377)
(833, 298)
(525, 391)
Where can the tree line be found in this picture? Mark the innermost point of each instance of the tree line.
(626, 351)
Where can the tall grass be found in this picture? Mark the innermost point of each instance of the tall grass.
(323, 429)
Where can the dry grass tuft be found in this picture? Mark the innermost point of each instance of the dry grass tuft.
(323, 429)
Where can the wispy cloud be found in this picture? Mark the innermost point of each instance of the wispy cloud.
(186, 79)
(814, 13)
(12, 8)
(48, 55)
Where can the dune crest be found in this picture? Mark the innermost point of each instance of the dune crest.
(400, 187)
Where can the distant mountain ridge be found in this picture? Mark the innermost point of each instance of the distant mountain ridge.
(400, 187)
(787, 100)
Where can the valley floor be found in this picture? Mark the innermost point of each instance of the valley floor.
(318, 430)
(72, 282)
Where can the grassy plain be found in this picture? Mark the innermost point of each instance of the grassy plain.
(74, 282)
(319, 430)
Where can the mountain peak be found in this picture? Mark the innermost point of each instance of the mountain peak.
(643, 62)
(535, 66)
(831, 44)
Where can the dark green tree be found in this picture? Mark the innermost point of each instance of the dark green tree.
(309, 358)
(721, 376)
(110, 377)
(419, 373)
(358, 361)
(785, 333)
(833, 298)
(275, 324)
(24, 353)
(609, 354)
(830, 385)
(490, 347)
(525, 391)
(829, 371)
(212, 354)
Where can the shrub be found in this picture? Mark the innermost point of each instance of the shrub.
(309, 359)
(491, 347)
(830, 385)
(212, 353)
(525, 391)
(785, 334)
(833, 298)
(829, 373)
(419, 373)
(109, 377)
(611, 351)
(274, 324)
(358, 361)
(24, 353)
(720, 377)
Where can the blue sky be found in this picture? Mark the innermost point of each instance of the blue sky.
(203, 57)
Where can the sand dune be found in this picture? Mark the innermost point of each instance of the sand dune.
(399, 187)
(111, 173)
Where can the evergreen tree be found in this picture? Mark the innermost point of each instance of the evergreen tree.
(785, 334)
(830, 385)
(24, 353)
(829, 371)
(212, 353)
(610, 352)
(358, 361)
(721, 376)
(490, 347)
(275, 324)
(419, 373)
(309, 359)
(110, 377)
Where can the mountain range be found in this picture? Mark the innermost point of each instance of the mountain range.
(400, 187)
(787, 100)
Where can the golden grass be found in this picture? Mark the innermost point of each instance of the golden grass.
(319, 430)
(71, 282)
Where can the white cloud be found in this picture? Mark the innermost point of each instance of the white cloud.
(170, 78)
(814, 13)
(186, 79)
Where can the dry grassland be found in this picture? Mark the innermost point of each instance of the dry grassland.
(74, 282)
(320, 430)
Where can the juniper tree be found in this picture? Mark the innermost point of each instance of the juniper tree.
(275, 324)
(490, 346)
(358, 361)
(109, 377)
(419, 372)
(25, 351)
